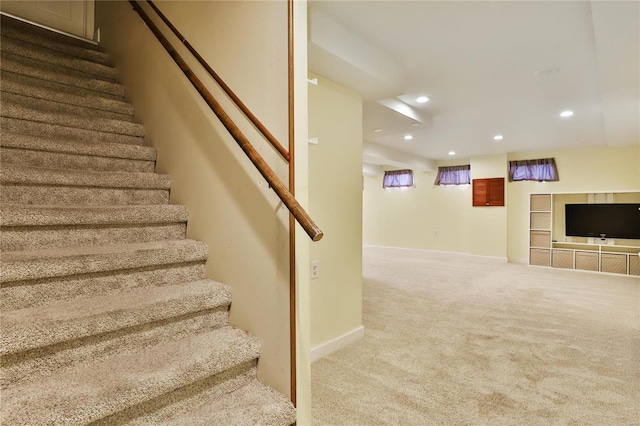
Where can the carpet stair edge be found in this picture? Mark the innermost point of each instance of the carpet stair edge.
(31, 68)
(53, 131)
(43, 101)
(55, 263)
(31, 113)
(74, 319)
(89, 392)
(58, 59)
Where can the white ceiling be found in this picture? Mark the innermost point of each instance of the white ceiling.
(489, 67)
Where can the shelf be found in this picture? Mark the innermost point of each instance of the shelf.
(585, 256)
(602, 248)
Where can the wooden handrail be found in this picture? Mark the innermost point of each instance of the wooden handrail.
(269, 175)
(254, 120)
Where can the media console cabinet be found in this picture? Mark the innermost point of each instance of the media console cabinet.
(546, 229)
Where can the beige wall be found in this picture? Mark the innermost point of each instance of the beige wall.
(488, 225)
(441, 218)
(230, 205)
(417, 217)
(335, 189)
(433, 217)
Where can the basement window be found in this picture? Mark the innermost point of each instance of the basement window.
(541, 170)
(454, 175)
(398, 179)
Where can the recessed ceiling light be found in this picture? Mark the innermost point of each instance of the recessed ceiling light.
(565, 114)
(498, 137)
(452, 153)
(422, 99)
(408, 137)
(377, 130)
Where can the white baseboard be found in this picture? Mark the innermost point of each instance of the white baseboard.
(457, 253)
(517, 260)
(330, 346)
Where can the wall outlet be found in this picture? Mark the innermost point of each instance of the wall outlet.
(315, 269)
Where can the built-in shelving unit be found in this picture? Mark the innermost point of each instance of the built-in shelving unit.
(587, 256)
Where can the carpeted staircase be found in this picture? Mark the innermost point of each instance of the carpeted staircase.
(107, 317)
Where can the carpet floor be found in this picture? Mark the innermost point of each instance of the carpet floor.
(460, 340)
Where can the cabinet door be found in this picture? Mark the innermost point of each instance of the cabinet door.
(613, 262)
(480, 192)
(496, 192)
(488, 192)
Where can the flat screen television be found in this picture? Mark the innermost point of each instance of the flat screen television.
(603, 220)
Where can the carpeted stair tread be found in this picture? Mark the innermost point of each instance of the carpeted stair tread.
(47, 263)
(32, 113)
(35, 69)
(24, 98)
(63, 160)
(35, 143)
(37, 33)
(85, 51)
(58, 59)
(14, 73)
(34, 215)
(62, 108)
(21, 294)
(53, 131)
(31, 227)
(250, 404)
(91, 391)
(12, 174)
(32, 151)
(41, 326)
(41, 89)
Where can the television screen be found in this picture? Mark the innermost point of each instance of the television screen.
(603, 220)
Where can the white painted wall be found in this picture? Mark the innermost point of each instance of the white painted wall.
(335, 189)
(230, 206)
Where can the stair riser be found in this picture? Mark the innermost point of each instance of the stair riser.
(56, 160)
(24, 294)
(20, 112)
(85, 196)
(57, 46)
(60, 132)
(57, 59)
(31, 366)
(29, 238)
(24, 99)
(36, 69)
